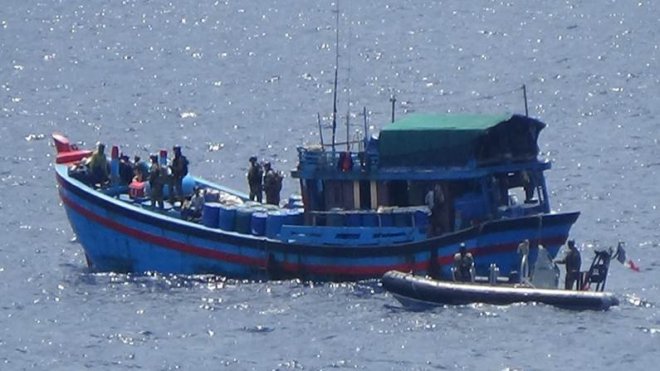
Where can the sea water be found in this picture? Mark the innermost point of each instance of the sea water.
(226, 80)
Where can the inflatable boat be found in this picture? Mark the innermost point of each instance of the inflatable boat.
(413, 290)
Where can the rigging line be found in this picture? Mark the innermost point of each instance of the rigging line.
(481, 97)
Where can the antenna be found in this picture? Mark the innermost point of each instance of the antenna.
(393, 100)
(348, 93)
(334, 103)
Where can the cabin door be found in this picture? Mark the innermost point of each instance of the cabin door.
(365, 195)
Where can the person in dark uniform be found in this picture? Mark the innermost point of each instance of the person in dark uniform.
(255, 177)
(179, 169)
(272, 185)
(157, 176)
(463, 269)
(573, 261)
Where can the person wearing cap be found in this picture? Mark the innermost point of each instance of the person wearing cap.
(157, 177)
(99, 168)
(463, 269)
(179, 169)
(255, 180)
(573, 262)
(272, 184)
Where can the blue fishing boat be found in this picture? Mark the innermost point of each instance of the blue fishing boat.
(404, 199)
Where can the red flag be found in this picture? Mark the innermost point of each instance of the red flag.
(631, 264)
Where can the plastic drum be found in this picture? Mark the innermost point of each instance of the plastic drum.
(353, 219)
(227, 218)
(244, 220)
(274, 223)
(258, 224)
(211, 214)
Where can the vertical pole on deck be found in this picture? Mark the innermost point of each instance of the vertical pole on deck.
(318, 118)
(366, 133)
(524, 89)
(393, 100)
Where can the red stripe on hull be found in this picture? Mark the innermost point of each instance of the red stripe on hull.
(162, 241)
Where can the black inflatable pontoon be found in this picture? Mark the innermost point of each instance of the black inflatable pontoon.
(410, 289)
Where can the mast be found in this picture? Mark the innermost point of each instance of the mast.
(348, 92)
(334, 100)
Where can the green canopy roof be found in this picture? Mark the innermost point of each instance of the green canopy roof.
(458, 122)
(457, 139)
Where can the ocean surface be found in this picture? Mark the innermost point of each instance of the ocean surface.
(229, 79)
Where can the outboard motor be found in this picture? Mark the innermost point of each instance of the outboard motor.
(546, 273)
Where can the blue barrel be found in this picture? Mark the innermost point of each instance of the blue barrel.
(211, 214)
(336, 219)
(274, 223)
(353, 219)
(244, 220)
(421, 218)
(402, 218)
(294, 201)
(258, 225)
(227, 218)
(370, 219)
(294, 217)
(386, 219)
(188, 184)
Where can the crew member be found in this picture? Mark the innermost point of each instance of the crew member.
(192, 209)
(439, 219)
(463, 269)
(255, 177)
(573, 261)
(98, 165)
(179, 169)
(272, 185)
(157, 177)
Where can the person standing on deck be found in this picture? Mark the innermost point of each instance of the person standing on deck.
(573, 262)
(98, 165)
(179, 169)
(157, 177)
(272, 185)
(255, 177)
(435, 200)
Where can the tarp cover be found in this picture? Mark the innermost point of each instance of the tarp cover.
(458, 140)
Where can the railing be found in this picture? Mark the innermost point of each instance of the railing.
(318, 159)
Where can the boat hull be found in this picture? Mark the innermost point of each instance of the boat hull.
(123, 237)
(414, 290)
